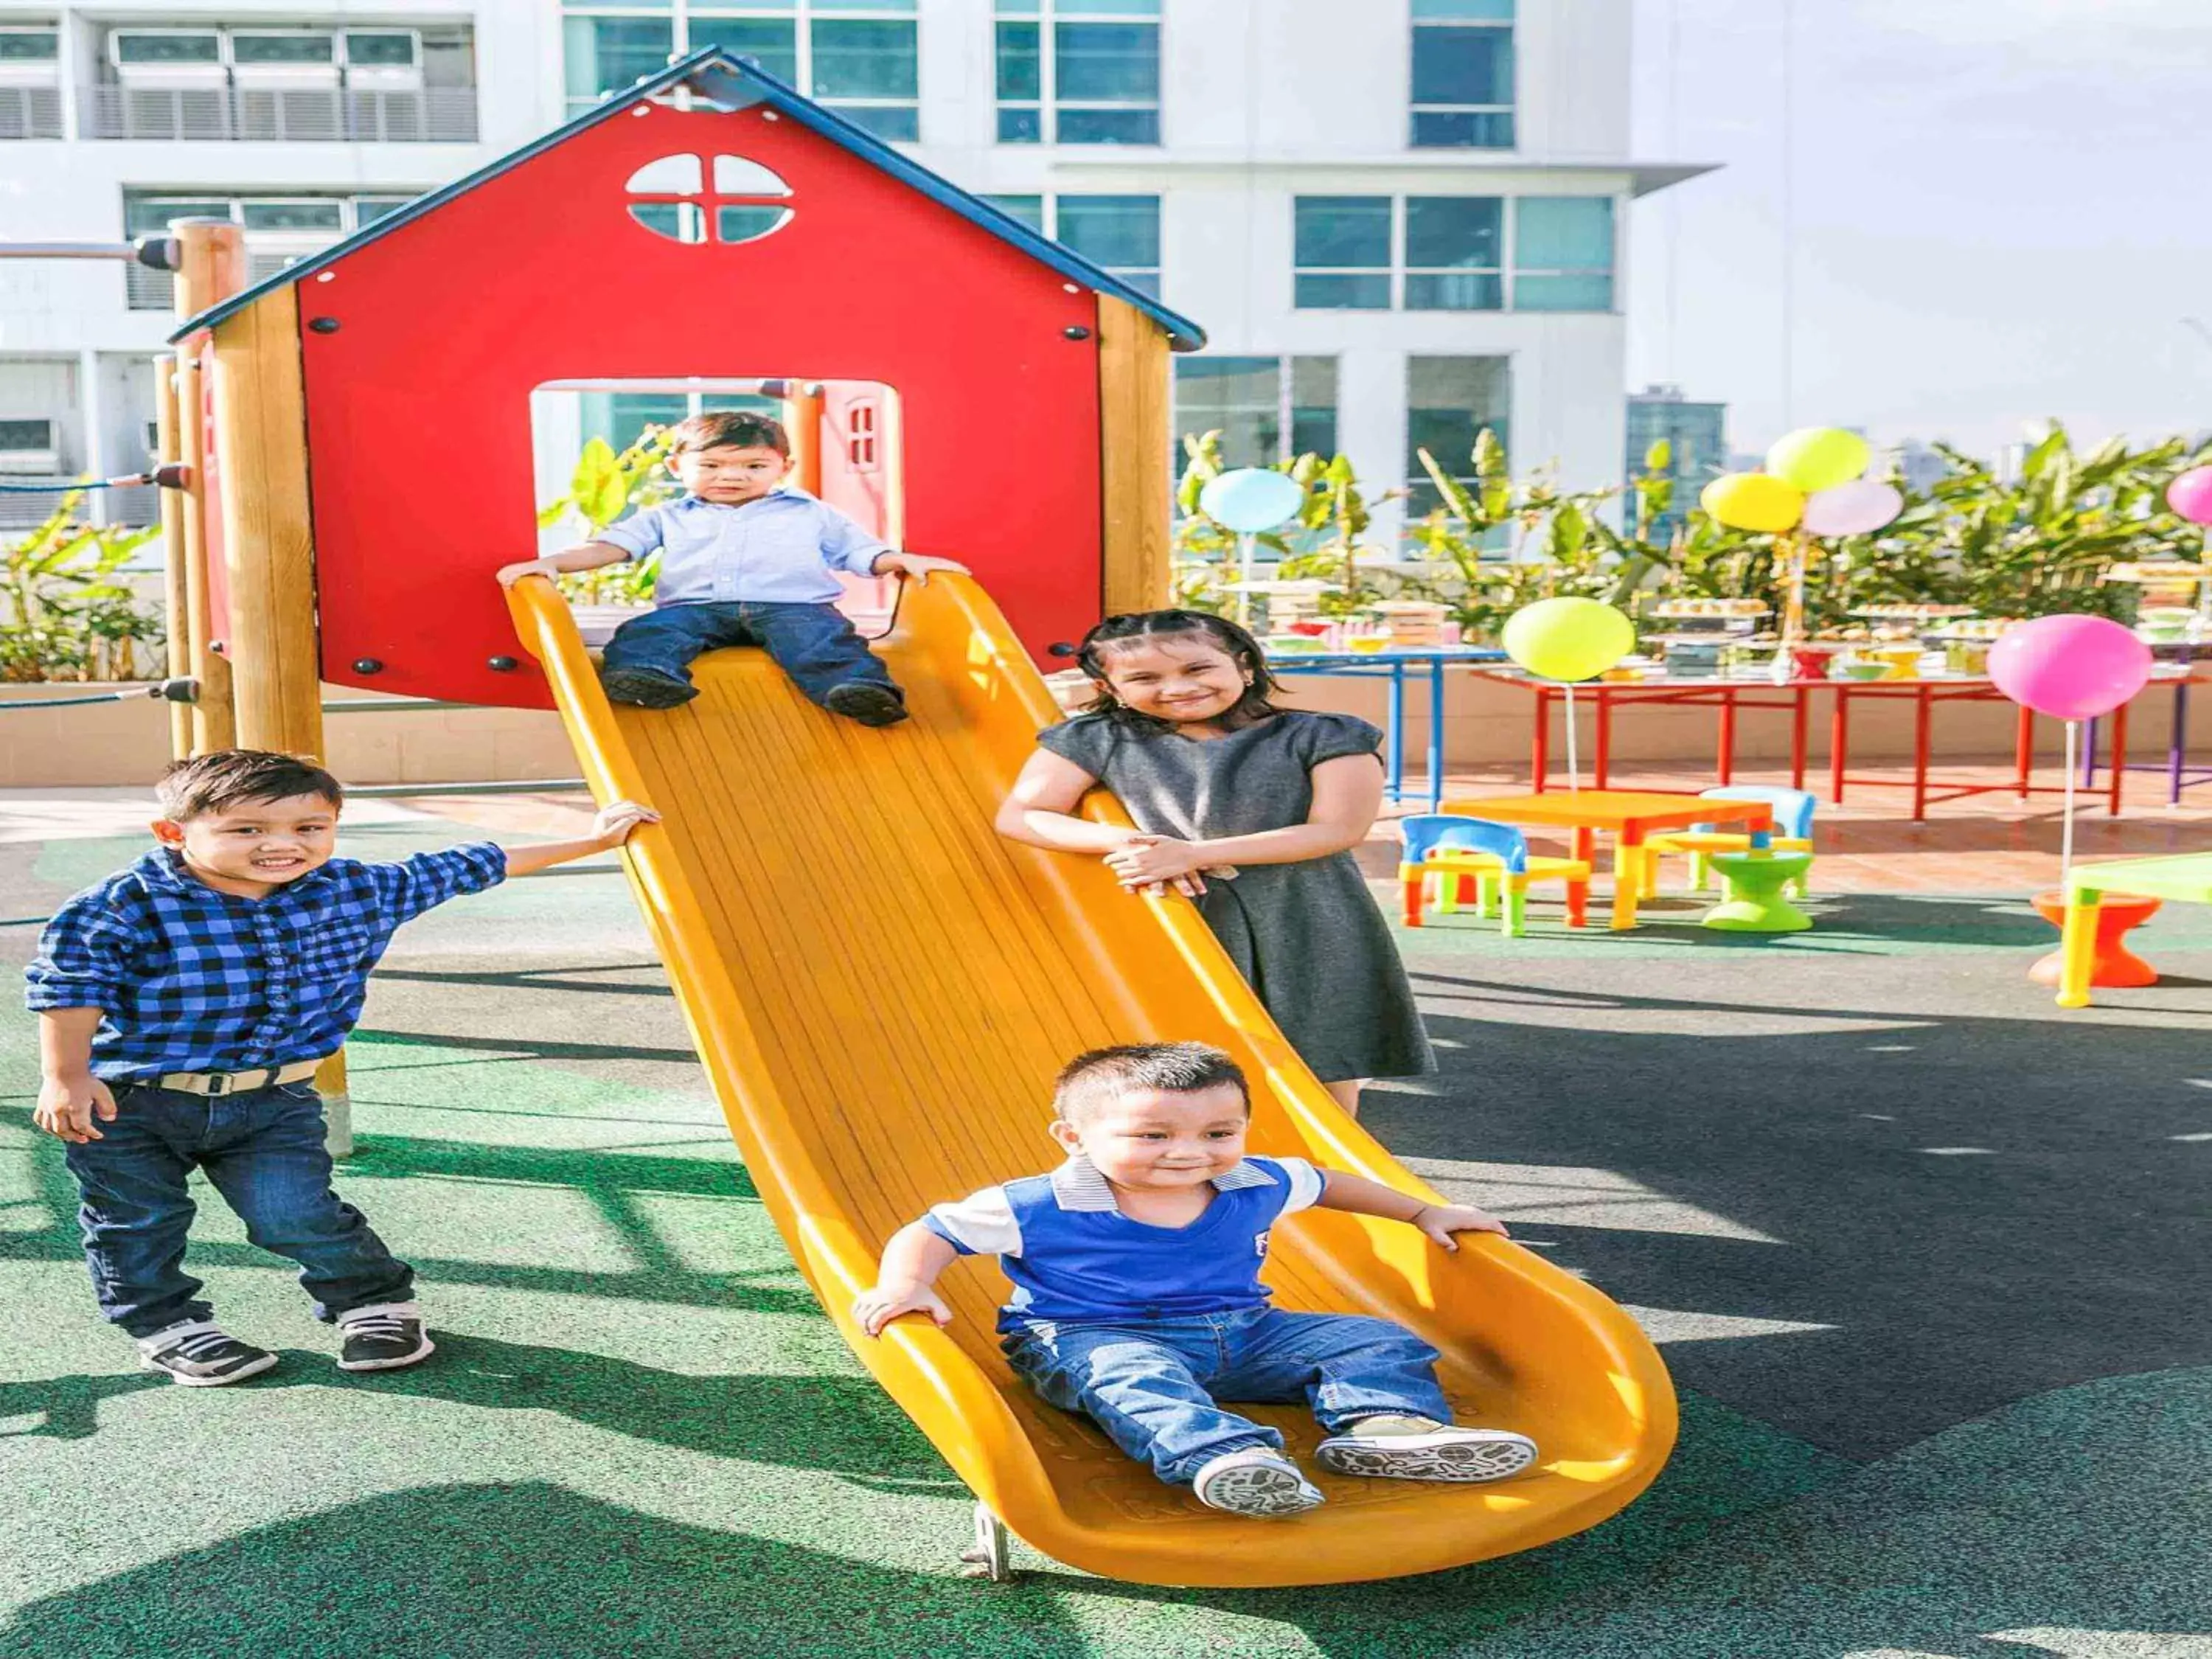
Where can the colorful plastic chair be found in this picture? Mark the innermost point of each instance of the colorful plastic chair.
(1447, 852)
(1793, 833)
(1756, 878)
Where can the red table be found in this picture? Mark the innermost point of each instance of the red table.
(1729, 698)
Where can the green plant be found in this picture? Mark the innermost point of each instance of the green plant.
(603, 487)
(63, 608)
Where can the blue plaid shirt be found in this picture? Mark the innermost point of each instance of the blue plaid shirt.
(192, 980)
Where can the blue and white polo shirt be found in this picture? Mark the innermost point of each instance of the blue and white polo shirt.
(1073, 1254)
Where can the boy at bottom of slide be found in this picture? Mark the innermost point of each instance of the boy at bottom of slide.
(1137, 1297)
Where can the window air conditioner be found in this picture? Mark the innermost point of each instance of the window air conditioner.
(29, 446)
(167, 60)
(383, 60)
(284, 60)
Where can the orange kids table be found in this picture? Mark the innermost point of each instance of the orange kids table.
(1628, 815)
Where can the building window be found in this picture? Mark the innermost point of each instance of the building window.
(1448, 400)
(1462, 78)
(1119, 234)
(1266, 409)
(280, 230)
(1078, 71)
(30, 81)
(1453, 253)
(859, 57)
(1563, 253)
(1342, 247)
(622, 418)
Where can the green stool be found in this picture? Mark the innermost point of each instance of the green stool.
(1756, 903)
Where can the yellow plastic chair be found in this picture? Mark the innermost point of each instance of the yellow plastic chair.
(1793, 828)
(1443, 850)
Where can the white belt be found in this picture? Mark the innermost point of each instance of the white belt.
(234, 1083)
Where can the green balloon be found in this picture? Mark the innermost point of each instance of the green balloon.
(1817, 457)
(1568, 640)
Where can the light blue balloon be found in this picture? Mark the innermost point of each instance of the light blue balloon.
(1251, 499)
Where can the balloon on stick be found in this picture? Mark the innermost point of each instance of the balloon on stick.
(2072, 669)
(1250, 500)
(1817, 457)
(1568, 640)
(2191, 495)
(1755, 501)
(1856, 509)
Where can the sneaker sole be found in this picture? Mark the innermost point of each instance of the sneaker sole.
(1260, 1492)
(869, 705)
(250, 1368)
(640, 690)
(420, 1354)
(1465, 1460)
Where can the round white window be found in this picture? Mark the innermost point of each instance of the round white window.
(670, 198)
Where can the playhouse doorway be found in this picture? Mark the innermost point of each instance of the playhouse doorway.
(845, 449)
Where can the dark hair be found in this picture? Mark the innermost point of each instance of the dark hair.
(1103, 1074)
(1238, 646)
(208, 783)
(727, 428)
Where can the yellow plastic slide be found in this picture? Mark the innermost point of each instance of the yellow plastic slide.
(882, 989)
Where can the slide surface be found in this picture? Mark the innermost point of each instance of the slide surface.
(881, 989)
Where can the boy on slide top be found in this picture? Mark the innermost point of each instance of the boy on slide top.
(1137, 1297)
(745, 559)
(183, 1004)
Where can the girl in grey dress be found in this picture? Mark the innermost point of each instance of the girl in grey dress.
(1251, 810)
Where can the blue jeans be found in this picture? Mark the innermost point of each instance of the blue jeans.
(264, 1151)
(815, 644)
(1152, 1384)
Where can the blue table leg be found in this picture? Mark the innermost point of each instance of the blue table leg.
(1395, 782)
(2177, 750)
(1436, 735)
(2090, 753)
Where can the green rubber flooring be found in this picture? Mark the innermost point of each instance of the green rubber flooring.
(1925, 1256)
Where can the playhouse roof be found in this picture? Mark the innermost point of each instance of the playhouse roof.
(730, 83)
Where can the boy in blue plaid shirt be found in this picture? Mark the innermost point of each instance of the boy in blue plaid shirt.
(185, 1005)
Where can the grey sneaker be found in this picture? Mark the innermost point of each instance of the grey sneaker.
(644, 688)
(1419, 1449)
(1263, 1483)
(383, 1337)
(200, 1354)
(865, 701)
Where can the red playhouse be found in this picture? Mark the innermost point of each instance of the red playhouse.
(710, 223)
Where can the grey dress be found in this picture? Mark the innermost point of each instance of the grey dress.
(1307, 936)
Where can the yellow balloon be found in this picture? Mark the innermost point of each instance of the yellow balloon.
(1817, 457)
(1568, 640)
(1754, 500)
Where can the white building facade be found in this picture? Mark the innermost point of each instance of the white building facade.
(1399, 221)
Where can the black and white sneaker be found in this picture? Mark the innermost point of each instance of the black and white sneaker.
(865, 702)
(644, 688)
(1416, 1449)
(200, 1354)
(383, 1337)
(1262, 1483)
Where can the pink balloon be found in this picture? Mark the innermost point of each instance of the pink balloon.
(1856, 509)
(2191, 495)
(2071, 668)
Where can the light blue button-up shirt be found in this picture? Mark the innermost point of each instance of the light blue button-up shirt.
(778, 550)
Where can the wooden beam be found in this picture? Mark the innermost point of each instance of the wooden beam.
(1134, 422)
(261, 427)
(802, 424)
(177, 602)
(210, 268)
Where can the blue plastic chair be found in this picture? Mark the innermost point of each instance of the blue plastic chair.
(1447, 849)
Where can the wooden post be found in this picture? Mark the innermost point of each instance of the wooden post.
(261, 426)
(177, 601)
(1134, 422)
(802, 424)
(210, 268)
